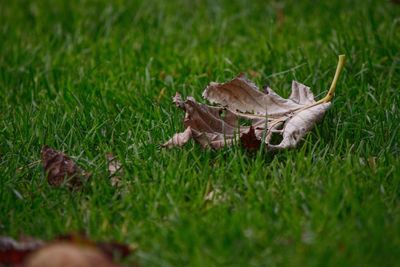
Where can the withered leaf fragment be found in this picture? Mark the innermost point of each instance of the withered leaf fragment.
(68, 250)
(269, 114)
(114, 169)
(14, 252)
(61, 254)
(61, 169)
(249, 140)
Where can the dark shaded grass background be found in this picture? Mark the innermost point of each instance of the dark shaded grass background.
(89, 77)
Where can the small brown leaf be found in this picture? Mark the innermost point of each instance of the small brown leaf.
(114, 169)
(61, 169)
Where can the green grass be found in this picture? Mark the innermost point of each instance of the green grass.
(90, 77)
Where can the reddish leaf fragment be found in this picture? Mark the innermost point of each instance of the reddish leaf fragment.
(61, 169)
(250, 141)
(13, 252)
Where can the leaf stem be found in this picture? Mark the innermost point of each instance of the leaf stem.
(332, 89)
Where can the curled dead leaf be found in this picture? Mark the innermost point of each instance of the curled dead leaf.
(296, 126)
(210, 126)
(179, 139)
(269, 113)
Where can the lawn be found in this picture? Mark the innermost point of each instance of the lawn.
(92, 77)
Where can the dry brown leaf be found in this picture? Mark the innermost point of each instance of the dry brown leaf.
(114, 169)
(68, 250)
(65, 254)
(61, 169)
(269, 113)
